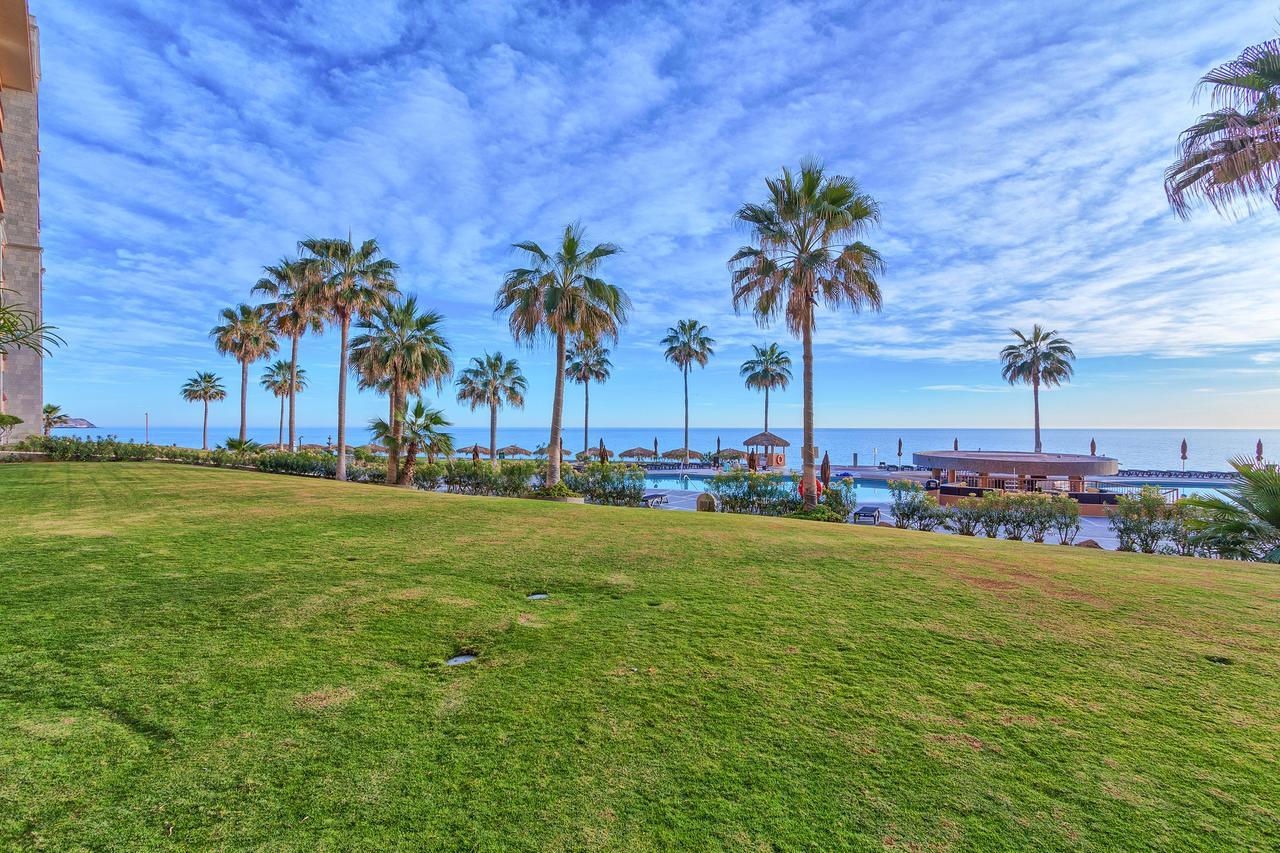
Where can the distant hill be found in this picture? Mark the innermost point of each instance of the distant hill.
(76, 423)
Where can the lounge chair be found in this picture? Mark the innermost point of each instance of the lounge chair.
(655, 500)
(866, 515)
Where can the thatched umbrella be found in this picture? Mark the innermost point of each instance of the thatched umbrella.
(514, 450)
(732, 453)
(826, 469)
(375, 448)
(637, 453)
(473, 451)
(681, 453)
(1184, 454)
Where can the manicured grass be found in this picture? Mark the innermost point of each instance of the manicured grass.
(205, 658)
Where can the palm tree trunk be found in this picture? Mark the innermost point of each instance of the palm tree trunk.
(410, 462)
(1035, 396)
(557, 408)
(586, 415)
(393, 448)
(686, 414)
(807, 478)
(766, 408)
(293, 394)
(343, 354)
(280, 437)
(244, 393)
(493, 435)
(205, 431)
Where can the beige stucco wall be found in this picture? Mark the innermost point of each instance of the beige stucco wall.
(22, 264)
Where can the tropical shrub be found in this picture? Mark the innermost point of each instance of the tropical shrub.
(964, 516)
(7, 423)
(1038, 510)
(840, 498)
(913, 507)
(821, 512)
(1140, 520)
(1066, 518)
(428, 476)
(994, 508)
(755, 493)
(555, 490)
(607, 484)
(468, 477)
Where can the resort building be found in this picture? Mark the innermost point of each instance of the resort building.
(961, 474)
(21, 373)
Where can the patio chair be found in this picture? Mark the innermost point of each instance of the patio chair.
(866, 515)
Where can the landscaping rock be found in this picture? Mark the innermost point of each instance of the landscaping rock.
(1088, 543)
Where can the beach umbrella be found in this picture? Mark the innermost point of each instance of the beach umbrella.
(1184, 454)
(1093, 447)
(655, 447)
(717, 448)
(752, 461)
(475, 453)
(899, 450)
(1259, 450)
(514, 450)
(826, 468)
(955, 443)
(732, 453)
(604, 454)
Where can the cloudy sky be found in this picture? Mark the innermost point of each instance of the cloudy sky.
(1016, 149)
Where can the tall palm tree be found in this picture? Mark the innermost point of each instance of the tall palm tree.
(687, 344)
(492, 381)
(420, 429)
(1040, 358)
(400, 351)
(292, 315)
(560, 296)
(246, 335)
(204, 388)
(285, 380)
(806, 253)
(587, 363)
(53, 416)
(1231, 156)
(350, 283)
(769, 368)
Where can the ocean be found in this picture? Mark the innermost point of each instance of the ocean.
(1207, 449)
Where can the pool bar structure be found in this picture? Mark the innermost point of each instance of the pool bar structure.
(959, 474)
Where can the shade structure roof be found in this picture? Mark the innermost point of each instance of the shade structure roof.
(1018, 463)
(637, 453)
(471, 450)
(766, 439)
(595, 451)
(515, 450)
(679, 453)
(732, 453)
(564, 454)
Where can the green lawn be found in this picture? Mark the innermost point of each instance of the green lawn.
(205, 658)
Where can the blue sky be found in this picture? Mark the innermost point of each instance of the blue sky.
(1016, 149)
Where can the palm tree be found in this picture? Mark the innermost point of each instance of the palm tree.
(246, 335)
(587, 363)
(492, 381)
(400, 351)
(420, 429)
(560, 296)
(688, 344)
(769, 368)
(285, 380)
(1241, 522)
(53, 417)
(204, 388)
(1231, 156)
(1040, 358)
(350, 283)
(806, 253)
(292, 315)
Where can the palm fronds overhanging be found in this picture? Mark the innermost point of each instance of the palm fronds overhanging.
(1243, 520)
(1230, 157)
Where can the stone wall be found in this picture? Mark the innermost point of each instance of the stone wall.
(22, 263)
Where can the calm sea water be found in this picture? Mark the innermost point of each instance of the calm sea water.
(1208, 450)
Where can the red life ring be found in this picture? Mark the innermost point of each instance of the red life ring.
(817, 483)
